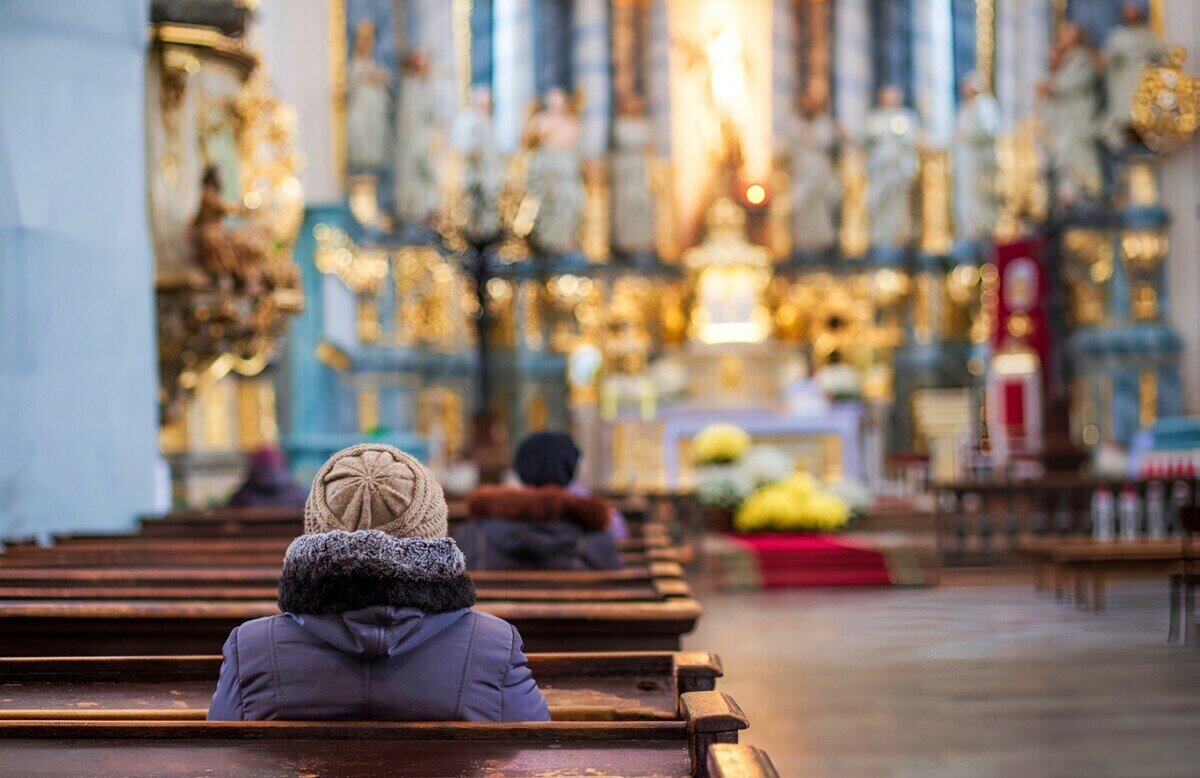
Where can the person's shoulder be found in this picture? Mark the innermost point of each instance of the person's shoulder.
(258, 631)
(493, 631)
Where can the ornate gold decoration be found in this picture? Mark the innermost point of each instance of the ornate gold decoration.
(666, 240)
(1147, 397)
(1023, 194)
(1166, 104)
(362, 270)
(367, 401)
(985, 41)
(1088, 268)
(460, 14)
(594, 232)
(209, 326)
(433, 303)
(854, 236)
(1143, 252)
(937, 233)
(332, 357)
(337, 84)
(1144, 304)
(731, 277)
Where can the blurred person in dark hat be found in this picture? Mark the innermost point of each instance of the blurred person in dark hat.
(545, 522)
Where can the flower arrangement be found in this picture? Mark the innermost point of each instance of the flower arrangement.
(720, 444)
(759, 488)
(797, 503)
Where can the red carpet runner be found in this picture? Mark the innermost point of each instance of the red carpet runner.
(771, 561)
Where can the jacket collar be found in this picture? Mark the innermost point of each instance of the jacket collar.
(538, 505)
(339, 571)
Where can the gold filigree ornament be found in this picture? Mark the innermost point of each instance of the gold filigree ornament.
(1164, 109)
(210, 325)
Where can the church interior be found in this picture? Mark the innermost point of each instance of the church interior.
(811, 386)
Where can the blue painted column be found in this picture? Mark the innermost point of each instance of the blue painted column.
(891, 45)
(552, 45)
(78, 405)
(481, 43)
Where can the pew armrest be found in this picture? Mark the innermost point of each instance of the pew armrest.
(731, 760)
(697, 671)
(712, 717)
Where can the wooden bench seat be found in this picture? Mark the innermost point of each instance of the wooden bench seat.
(268, 575)
(642, 748)
(147, 627)
(1080, 567)
(578, 687)
(78, 552)
(652, 590)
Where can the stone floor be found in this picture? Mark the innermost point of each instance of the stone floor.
(978, 680)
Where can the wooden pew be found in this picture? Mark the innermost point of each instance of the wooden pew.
(135, 550)
(578, 687)
(627, 748)
(734, 760)
(146, 627)
(268, 575)
(45, 588)
(1079, 568)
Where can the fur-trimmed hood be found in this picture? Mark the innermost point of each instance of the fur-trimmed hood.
(338, 571)
(538, 505)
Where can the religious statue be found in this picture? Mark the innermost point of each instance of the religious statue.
(230, 256)
(1069, 107)
(976, 174)
(633, 202)
(816, 189)
(483, 167)
(554, 178)
(366, 104)
(892, 167)
(1130, 46)
(414, 174)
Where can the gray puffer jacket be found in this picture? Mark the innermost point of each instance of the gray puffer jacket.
(376, 628)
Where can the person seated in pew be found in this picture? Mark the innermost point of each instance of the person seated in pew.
(377, 619)
(268, 484)
(543, 524)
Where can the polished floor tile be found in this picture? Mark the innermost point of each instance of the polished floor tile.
(988, 680)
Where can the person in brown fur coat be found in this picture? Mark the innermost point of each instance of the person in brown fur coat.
(540, 525)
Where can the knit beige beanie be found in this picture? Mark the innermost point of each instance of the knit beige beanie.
(375, 486)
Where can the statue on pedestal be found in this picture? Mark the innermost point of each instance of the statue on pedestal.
(1130, 46)
(483, 167)
(976, 174)
(414, 169)
(554, 178)
(1069, 104)
(892, 167)
(816, 189)
(633, 202)
(366, 104)
(229, 255)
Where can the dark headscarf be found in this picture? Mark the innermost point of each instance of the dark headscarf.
(547, 459)
(268, 483)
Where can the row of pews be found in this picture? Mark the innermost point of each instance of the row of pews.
(109, 653)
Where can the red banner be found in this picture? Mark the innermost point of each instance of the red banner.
(1021, 300)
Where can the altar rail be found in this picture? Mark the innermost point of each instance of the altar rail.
(978, 523)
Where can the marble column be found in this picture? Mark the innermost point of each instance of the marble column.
(891, 45)
(513, 81)
(592, 68)
(294, 35)
(78, 400)
(784, 69)
(481, 43)
(658, 79)
(934, 83)
(1181, 194)
(1023, 30)
(852, 57)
